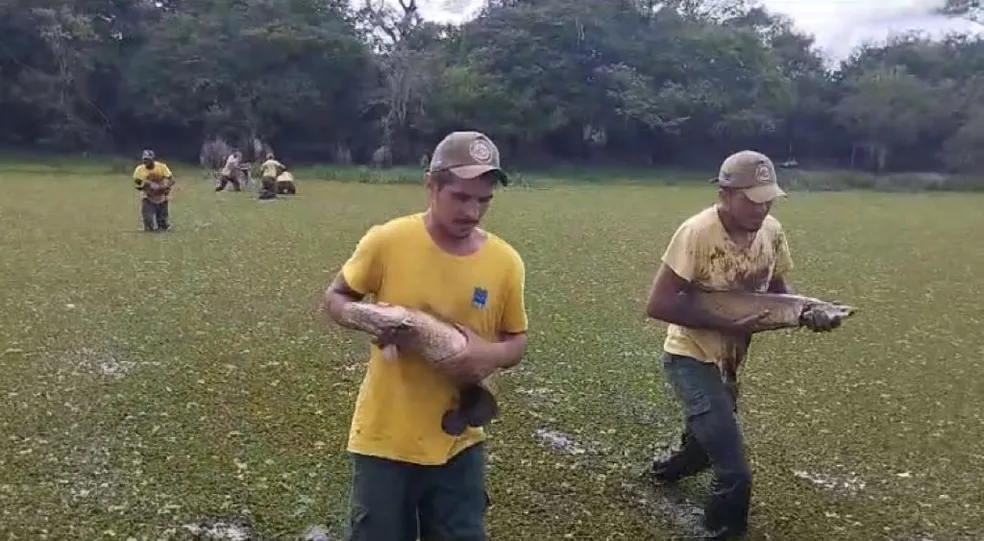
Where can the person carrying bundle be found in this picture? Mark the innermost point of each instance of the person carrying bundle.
(230, 173)
(285, 184)
(155, 180)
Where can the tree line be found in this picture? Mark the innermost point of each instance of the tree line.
(628, 82)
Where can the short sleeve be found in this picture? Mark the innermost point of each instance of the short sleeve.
(784, 261)
(681, 253)
(166, 171)
(514, 317)
(363, 270)
(138, 175)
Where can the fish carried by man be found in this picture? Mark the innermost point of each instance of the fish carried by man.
(769, 311)
(436, 341)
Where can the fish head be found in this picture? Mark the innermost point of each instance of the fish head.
(826, 311)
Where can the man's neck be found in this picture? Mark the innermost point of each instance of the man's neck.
(738, 235)
(453, 245)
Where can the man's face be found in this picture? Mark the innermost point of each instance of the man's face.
(459, 205)
(746, 214)
(149, 163)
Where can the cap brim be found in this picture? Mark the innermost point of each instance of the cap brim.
(473, 171)
(764, 193)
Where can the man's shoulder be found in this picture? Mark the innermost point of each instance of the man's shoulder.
(395, 228)
(772, 226)
(502, 249)
(772, 223)
(700, 222)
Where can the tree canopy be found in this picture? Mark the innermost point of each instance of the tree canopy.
(638, 82)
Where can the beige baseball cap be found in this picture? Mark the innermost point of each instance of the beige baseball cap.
(751, 172)
(467, 154)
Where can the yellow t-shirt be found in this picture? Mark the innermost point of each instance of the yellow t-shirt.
(158, 178)
(701, 252)
(270, 168)
(400, 404)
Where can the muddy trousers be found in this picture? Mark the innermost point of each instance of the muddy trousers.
(397, 501)
(154, 215)
(225, 180)
(711, 439)
(268, 188)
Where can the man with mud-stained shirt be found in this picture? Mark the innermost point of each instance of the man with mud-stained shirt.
(733, 244)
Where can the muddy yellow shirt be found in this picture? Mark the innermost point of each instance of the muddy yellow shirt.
(701, 252)
(153, 181)
(400, 404)
(271, 168)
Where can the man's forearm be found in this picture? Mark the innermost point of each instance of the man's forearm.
(335, 304)
(686, 313)
(507, 353)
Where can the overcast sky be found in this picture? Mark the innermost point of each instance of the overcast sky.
(839, 25)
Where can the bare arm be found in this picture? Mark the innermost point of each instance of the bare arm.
(509, 350)
(669, 301)
(338, 295)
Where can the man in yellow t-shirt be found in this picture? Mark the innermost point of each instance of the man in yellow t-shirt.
(269, 170)
(410, 475)
(734, 244)
(154, 179)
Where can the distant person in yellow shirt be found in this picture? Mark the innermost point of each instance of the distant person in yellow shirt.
(733, 244)
(410, 475)
(154, 179)
(269, 171)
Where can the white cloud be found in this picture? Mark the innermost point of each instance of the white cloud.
(841, 25)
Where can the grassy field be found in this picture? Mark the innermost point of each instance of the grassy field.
(156, 381)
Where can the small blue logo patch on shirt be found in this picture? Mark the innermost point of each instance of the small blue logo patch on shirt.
(480, 297)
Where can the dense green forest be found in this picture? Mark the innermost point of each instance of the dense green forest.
(628, 82)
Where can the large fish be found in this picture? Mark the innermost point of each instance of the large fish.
(435, 341)
(784, 310)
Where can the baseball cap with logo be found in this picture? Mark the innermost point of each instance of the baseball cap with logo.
(467, 154)
(751, 172)
(147, 155)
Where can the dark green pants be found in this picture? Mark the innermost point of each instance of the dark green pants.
(154, 215)
(396, 501)
(712, 438)
(268, 188)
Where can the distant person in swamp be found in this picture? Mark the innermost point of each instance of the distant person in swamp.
(286, 184)
(230, 173)
(269, 171)
(732, 245)
(154, 179)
